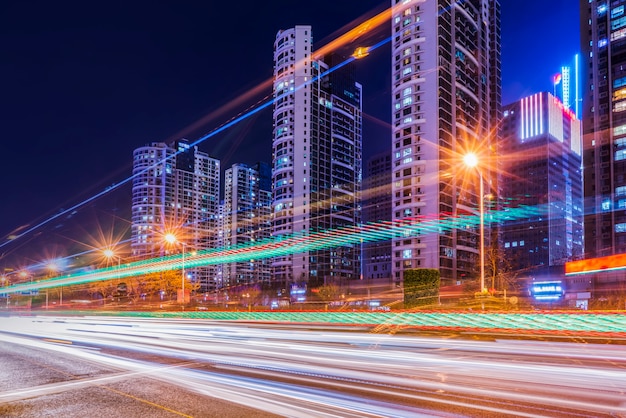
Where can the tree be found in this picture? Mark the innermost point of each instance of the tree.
(329, 292)
(103, 288)
(168, 282)
(498, 270)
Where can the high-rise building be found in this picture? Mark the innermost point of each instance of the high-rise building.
(542, 168)
(603, 47)
(446, 94)
(247, 220)
(376, 198)
(316, 167)
(175, 190)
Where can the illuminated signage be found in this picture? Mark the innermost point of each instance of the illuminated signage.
(594, 265)
(549, 290)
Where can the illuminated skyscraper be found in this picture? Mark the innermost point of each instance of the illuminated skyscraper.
(175, 190)
(247, 220)
(376, 208)
(316, 168)
(603, 46)
(446, 94)
(541, 145)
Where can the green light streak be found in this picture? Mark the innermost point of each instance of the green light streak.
(284, 245)
(546, 322)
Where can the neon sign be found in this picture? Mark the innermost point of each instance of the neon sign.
(549, 290)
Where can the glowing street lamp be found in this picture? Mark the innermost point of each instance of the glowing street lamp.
(171, 239)
(471, 161)
(53, 267)
(110, 254)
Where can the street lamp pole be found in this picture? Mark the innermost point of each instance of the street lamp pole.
(481, 209)
(108, 253)
(183, 278)
(54, 268)
(471, 160)
(171, 239)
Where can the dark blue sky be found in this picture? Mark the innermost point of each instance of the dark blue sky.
(83, 83)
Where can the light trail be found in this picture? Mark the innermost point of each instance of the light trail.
(348, 373)
(584, 324)
(348, 37)
(340, 41)
(278, 246)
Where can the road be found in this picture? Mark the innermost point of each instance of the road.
(113, 366)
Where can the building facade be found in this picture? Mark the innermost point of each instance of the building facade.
(175, 190)
(542, 168)
(316, 167)
(446, 91)
(376, 208)
(247, 221)
(603, 46)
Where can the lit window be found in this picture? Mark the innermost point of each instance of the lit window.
(619, 106)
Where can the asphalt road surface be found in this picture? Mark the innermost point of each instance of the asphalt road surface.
(125, 367)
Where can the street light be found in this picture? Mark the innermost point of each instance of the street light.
(471, 160)
(109, 254)
(24, 275)
(171, 239)
(53, 267)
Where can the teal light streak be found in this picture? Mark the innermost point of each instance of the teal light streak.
(281, 246)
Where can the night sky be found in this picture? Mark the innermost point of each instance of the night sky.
(85, 83)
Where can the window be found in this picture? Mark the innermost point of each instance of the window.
(619, 130)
